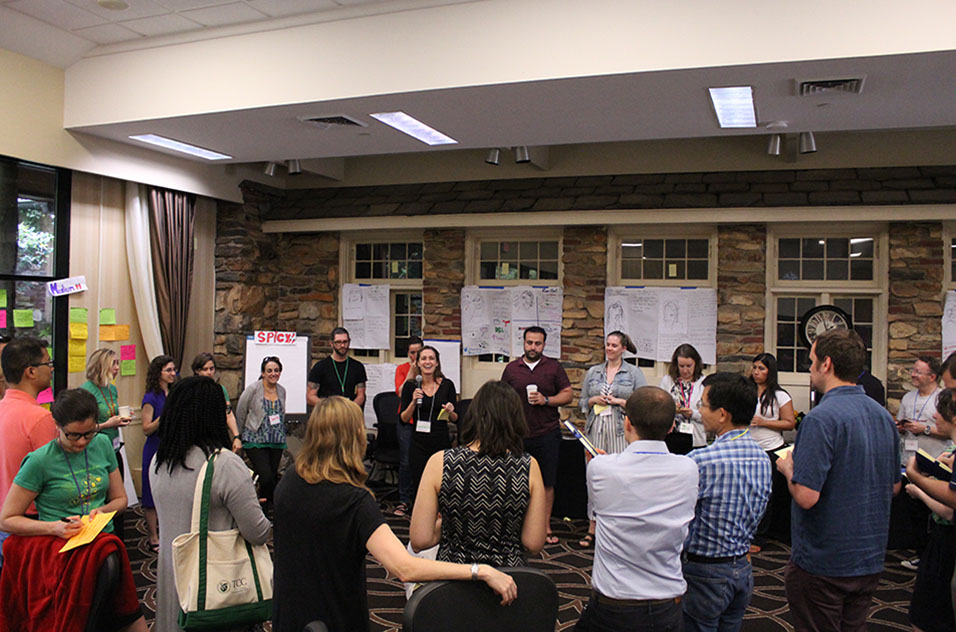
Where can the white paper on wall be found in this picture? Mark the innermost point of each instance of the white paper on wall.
(660, 319)
(380, 379)
(949, 324)
(450, 353)
(365, 313)
(494, 319)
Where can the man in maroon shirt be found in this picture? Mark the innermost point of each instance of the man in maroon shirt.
(542, 385)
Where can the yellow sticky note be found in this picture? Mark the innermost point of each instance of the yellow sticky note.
(77, 349)
(77, 364)
(444, 415)
(114, 332)
(783, 452)
(91, 529)
(599, 408)
(23, 318)
(79, 331)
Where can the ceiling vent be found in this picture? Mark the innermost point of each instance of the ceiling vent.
(811, 87)
(335, 121)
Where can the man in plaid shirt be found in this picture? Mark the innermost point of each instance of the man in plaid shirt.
(733, 492)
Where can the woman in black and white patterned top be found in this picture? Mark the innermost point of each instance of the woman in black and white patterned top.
(488, 492)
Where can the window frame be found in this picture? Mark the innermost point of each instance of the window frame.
(473, 241)
(949, 243)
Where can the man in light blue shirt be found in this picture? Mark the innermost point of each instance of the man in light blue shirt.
(734, 489)
(643, 500)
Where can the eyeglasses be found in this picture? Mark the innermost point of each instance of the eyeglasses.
(76, 436)
(915, 372)
(49, 364)
(341, 342)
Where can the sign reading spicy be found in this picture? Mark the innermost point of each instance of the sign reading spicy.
(275, 337)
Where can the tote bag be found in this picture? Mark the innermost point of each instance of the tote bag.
(222, 580)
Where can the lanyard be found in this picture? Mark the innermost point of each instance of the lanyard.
(650, 452)
(430, 412)
(917, 417)
(685, 400)
(85, 500)
(344, 375)
(741, 434)
(111, 402)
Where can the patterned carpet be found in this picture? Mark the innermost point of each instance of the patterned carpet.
(571, 567)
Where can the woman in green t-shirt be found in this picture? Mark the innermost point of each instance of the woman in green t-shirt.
(204, 364)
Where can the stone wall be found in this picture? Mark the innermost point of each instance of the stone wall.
(443, 273)
(915, 308)
(741, 294)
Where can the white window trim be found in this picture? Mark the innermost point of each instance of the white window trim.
(474, 238)
(949, 234)
(618, 234)
(845, 229)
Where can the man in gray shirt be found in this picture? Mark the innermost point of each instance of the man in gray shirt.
(643, 501)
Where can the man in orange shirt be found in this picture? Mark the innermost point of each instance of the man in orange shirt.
(403, 373)
(24, 424)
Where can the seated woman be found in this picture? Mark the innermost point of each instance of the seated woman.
(194, 426)
(74, 475)
(488, 492)
(326, 521)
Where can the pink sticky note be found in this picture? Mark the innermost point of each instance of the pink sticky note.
(45, 397)
(127, 352)
(3, 319)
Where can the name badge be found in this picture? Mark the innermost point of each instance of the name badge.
(274, 420)
(911, 445)
(685, 427)
(423, 426)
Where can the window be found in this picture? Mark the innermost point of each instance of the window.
(513, 260)
(655, 259)
(395, 260)
(792, 355)
(826, 259)
(408, 320)
(34, 249)
(952, 261)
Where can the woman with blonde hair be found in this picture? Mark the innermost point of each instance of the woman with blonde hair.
(102, 367)
(326, 521)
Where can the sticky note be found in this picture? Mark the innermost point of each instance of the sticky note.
(79, 331)
(45, 396)
(114, 332)
(77, 348)
(128, 367)
(78, 314)
(77, 364)
(3, 319)
(128, 352)
(23, 318)
(108, 316)
(3, 298)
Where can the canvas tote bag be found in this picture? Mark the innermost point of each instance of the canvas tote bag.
(222, 580)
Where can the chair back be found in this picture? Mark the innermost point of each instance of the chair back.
(386, 412)
(466, 606)
(107, 581)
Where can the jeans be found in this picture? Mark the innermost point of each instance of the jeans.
(717, 594)
(599, 617)
(3, 536)
(404, 470)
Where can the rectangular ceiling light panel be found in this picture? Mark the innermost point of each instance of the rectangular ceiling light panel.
(414, 128)
(175, 145)
(734, 106)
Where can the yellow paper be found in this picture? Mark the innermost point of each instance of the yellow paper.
(783, 452)
(77, 348)
(79, 331)
(599, 408)
(443, 415)
(77, 364)
(91, 529)
(114, 332)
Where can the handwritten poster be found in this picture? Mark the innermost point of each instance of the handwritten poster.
(365, 313)
(949, 324)
(659, 319)
(493, 320)
(380, 379)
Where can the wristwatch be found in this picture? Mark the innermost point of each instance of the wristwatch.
(926, 429)
(546, 400)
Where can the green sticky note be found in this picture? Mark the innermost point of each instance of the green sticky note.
(78, 314)
(23, 318)
(128, 367)
(108, 316)
(3, 299)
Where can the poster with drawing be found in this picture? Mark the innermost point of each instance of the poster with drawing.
(660, 319)
(949, 324)
(365, 313)
(380, 378)
(493, 320)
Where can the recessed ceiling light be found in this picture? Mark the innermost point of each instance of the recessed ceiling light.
(114, 5)
(734, 106)
(175, 145)
(414, 128)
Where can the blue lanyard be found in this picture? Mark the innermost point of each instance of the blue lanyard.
(85, 500)
(919, 416)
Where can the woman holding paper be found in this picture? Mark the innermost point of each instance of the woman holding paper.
(261, 419)
(604, 393)
(685, 382)
(429, 404)
(159, 377)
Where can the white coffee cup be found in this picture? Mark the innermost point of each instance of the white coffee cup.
(125, 412)
(532, 388)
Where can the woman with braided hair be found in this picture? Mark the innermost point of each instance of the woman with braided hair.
(159, 377)
(194, 426)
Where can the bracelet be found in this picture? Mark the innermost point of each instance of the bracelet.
(474, 571)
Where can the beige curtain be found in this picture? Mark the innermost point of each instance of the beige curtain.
(172, 215)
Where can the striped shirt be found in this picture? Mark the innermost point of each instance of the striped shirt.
(733, 491)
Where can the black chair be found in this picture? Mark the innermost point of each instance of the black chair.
(315, 626)
(385, 446)
(107, 581)
(466, 606)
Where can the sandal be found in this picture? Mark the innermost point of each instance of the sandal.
(587, 542)
(551, 539)
(400, 509)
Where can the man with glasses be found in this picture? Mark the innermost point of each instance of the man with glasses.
(337, 374)
(24, 425)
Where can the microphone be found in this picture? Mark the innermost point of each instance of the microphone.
(418, 384)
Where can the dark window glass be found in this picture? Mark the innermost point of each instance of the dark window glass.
(813, 248)
(528, 250)
(631, 269)
(632, 252)
(653, 269)
(675, 248)
(786, 334)
(786, 309)
(861, 270)
(803, 360)
(838, 248)
(415, 251)
(785, 359)
(380, 251)
(509, 250)
(812, 269)
(789, 248)
(548, 270)
(549, 250)
(789, 270)
(363, 270)
(697, 248)
(697, 269)
(863, 310)
(837, 270)
(654, 248)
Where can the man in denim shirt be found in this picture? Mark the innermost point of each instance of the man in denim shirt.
(842, 475)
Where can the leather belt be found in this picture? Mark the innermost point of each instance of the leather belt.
(630, 603)
(700, 559)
